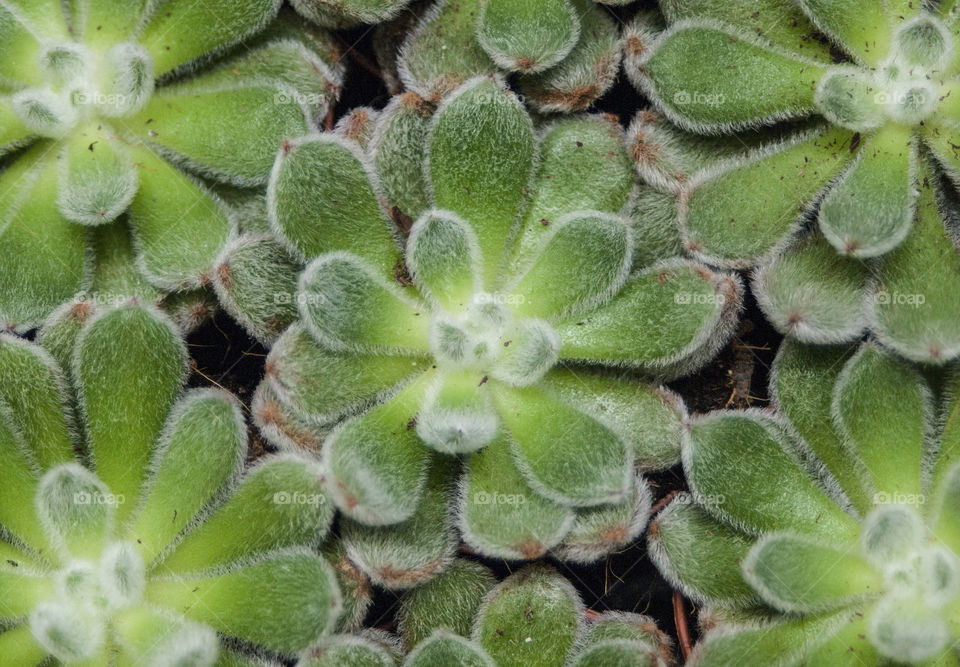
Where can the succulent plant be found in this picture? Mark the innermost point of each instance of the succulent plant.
(828, 533)
(494, 313)
(533, 618)
(565, 53)
(132, 531)
(787, 135)
(347, 13)
(115, 120)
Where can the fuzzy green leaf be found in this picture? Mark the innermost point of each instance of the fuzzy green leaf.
(353, 583)
(813, 294)
(243, 602)
(530, 350)
(548, 436)
(346, 14)
(699, 555)
(20, 647)
(76, 510)
(726, 457)
(583, 262)
(860, 27)
(449, 601)
(500, 515)
(947, 528)
(130, 364)
(527, 35)
(19, 58)
(349, 651)
(443, 256)
(783, 179)
(457, 415)
(869, 212)
(377, 465)
(736, 81)
(149, 637)
(797, 574)
(178, 228)
(323, 197)
(908, 631)
(202, 446)
(17, 511)
(480, 161)
(98, 179)
(283, 425)
(883, 409)
(397, 148)
(279, 503)
(102, 23)
(347, 306)
(531, 619)
(847, 95)
(21, 590)
(443, 648)
(181, 31)
(802, 384)
(43, 260)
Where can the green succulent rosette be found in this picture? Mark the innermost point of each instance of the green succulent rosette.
(482, 305)
(133, 531)
(826, 533)
(842, 112)
(116, 118)
(563, 54)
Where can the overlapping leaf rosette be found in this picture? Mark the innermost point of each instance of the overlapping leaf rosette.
(494, 318)
(534, 617)
(115, 119)
(846, 115)
(133, 531)
(828, 533)
(562, 55)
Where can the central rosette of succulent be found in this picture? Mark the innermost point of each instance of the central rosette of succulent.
(907, 88)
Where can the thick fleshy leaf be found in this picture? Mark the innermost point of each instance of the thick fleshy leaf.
(782, 179)
(802, 385)
(20, 647)
(457, 415)
(129, 78)
(530, 350)
(947, 528)
(858, 26)
(13, 133)
(377, 465)
(256, 282)
(582, 166)
(60, 331)
(799, 574)
(699, 555)
(883, 409)
(813, 294)
(19, 61)
(323, 197)
(443, 648)
(687, 313)
(600, 531)
(22, 589)
(500, 515)
(531, 618)
(18, 513)
(908, 631)
(735, 80)
(346, 14)
(449, 601)
(102, 23)
(283, 602)
(116, 276)
(354, 586)
(443, 256)
(324, 385)
(870, 211)
(411, 552)
(550, 440)
(283, 425)
(584, 261)
(656, 228)
(726, 456)
(949, 453)
(178, 228)
(34, 389)
(98, 178)
(229, 132)
(527, 35)
(586, 74)
(621, 652)
(442, 51)
(480, 161)
(180, 31)
(43, 260)
(342, 650)
(280, 503)
(847, 96)
(66, 633)
(348, 307)
(916, 310)
(77, 510)
(397, 147)
(649, 418)
(202, 447)
(149, 637)
(130, 364)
